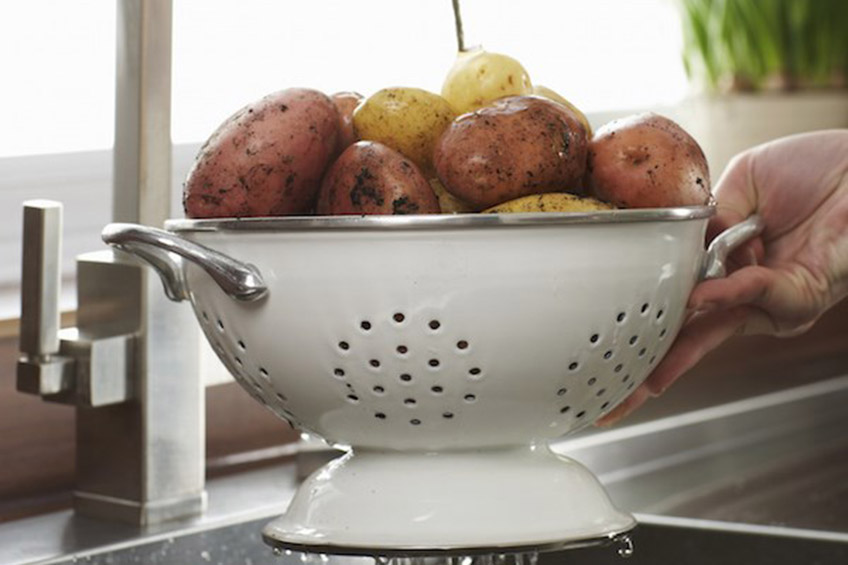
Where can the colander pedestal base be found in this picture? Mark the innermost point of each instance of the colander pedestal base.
(502, 499)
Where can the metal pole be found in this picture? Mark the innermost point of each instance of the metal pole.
(141, 461)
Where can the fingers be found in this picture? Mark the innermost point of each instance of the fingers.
(749, 285)
(627, 406)
(786, 301)
(695, 340)
(698, 338)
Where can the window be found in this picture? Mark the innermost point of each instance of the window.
(57, 103)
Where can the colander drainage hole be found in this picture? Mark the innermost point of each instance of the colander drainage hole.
(645, 307)
(415, 422)
(339, 373)
(344, 346)
(353, 398)
(573, 366)
(402, 349)
(406, 377)
(238, 361)
(608, 354)
(594, 338)
(652, 359)
(591, 381)
(580, 414)
(433, 362)
(660, 314)
(374, 363)
(625, 379)
(220, 325)
(380, 416)
(642, 352)
(618, 368)
(474, 371)
(470, 398)
(365, 325)
(378, 390)
(462, 344)
(620, 318)
(601, 392)
(634, 339)
(410, 401)
(564, 409)
(263, 372)
(282, 397)
(434, 324)
(205, 315)
(241, 345)
(398, 317)
(562, 392)
(605, 405)
(662, 333)
(437, 389)
(447, 415)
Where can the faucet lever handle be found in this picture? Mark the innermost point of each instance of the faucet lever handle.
(41, 267)
(41, 369)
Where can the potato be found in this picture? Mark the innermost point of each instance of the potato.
(478, 78)
(647, 161)
(408, 120)
(517, 146)
(265, 160)
(370, 178)
(549, 202)
(448, 203)
(346, 103)
(546, 92)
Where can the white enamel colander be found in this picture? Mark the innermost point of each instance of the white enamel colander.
(446, 352)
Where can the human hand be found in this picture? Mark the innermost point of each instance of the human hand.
(781, 282)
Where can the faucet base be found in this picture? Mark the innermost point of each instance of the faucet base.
(139, 512)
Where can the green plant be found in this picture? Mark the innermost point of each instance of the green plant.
(762, 44)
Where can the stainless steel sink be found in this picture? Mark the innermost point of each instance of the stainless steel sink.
(779, 459)
(657, 541)
(756, 481)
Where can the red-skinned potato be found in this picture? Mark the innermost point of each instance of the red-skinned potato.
(346, 103)
(265, 160)
(647, 161)
(370, 178)
(517, 146)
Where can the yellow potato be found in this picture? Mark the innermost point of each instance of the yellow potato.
(479, 77)
(449, 203)
(549, 202)
(409, 120)
(546, 92)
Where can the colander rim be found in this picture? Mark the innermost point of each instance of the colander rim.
(439, 221)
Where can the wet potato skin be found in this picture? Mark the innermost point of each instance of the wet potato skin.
(370, 178)
(409, 120)
(346, 103)
(647, 161)
(265, 160)
(518, 146)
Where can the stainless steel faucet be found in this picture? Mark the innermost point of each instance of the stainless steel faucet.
(131, 364)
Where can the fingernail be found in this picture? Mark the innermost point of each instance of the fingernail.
(752, 257)
(699, 311)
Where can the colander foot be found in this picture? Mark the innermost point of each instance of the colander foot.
(512, 500)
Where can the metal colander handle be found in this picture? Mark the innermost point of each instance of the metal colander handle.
(715, 261)
(159, 247)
